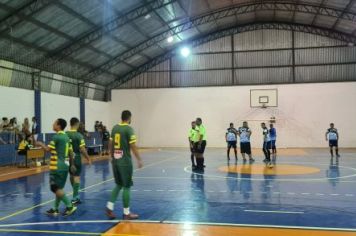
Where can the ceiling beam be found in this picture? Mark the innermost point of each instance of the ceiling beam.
(231, 31)
(347, 9)
(213, 16)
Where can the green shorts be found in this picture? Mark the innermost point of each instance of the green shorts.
(123, 175)
(58, 179)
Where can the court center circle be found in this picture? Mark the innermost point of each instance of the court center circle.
(280, 169)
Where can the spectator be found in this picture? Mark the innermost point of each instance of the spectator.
(106, 138)
(101, 127)
(26, 128)
(34, 129)
(4, 124)
(24, 145)
(96, 126)
(13, 130)
(82, 130)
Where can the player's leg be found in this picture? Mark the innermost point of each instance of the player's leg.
(114, 193)
(243, 151)
(249, 152)
(264, 149)
(192, 154)
(228, 150)
(234, 145)
(331, 148)
(126, 173)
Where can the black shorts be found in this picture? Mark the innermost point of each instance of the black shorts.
(200, 148)
(245, 148)
(231, 144)
(333, 143)
(267, 145)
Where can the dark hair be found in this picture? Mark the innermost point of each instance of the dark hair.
(62, 123)
(74, 121)
(231, 124)
(263, 123)
(125, 115)
(199, 119)
(331, 123)
(193, 121)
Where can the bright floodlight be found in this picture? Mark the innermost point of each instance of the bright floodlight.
(170, 39)
(185, 51)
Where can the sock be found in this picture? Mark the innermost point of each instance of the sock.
(115, 192)
(126, 211)
(110, 206)
(66, 201)
(235, 153)
(228, 153)
(126, 198)
(56, 203)
(337, 151)
(76, 187)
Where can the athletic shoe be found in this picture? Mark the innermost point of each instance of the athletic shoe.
(52, 212)
(109, 213)
(76, 201)
(252, 160)
(130, 216)
(69, 211)
(337, 155)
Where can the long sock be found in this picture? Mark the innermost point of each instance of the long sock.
(269, 154)
(337, 151)
(76, 187)
(115, 192)
(126, 197)
(235, 153)
(228, 153)
(57, 201)
(331, 152)
(66, 201)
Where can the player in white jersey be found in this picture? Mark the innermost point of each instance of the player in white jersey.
(244, 133)
(231, 139)
(266, 143)
(333, 136)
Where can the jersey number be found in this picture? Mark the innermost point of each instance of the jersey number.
(117, 143)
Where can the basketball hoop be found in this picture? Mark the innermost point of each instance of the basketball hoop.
(263, 106)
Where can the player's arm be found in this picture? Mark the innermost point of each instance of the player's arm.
(44, 146)
(84, 152)
(136, 154)
(337, 134)
(326, 135)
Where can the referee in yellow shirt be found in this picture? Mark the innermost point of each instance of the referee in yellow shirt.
(192, 138)
(200, 144)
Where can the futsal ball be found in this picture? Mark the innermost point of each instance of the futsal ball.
(270, 165)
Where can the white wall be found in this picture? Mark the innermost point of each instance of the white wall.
(56, 106)
(162, 117)
(97, 111)
(17, 103)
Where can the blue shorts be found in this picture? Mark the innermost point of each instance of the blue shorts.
(333, 143)
(273, 144)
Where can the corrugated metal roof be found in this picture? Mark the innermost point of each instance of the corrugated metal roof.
(78, 37)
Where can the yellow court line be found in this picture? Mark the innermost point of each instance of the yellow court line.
(60, 232)
(91, 186)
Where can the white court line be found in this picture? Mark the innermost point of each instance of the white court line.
(276, 212)
(181, 222)
(16, 172)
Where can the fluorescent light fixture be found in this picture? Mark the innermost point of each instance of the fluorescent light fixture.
(170, 39)
(185, 51)
(148, 16)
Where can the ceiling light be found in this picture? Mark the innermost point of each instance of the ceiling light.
(170, 39)
(185, 51)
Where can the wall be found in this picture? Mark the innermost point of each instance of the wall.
(162, 117)
(13, 105)
(95, 110)
(57, 106)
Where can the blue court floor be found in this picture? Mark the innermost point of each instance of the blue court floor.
(167, 191)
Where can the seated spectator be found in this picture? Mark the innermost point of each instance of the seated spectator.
(24, 145)
(4, 124)
(106, 138)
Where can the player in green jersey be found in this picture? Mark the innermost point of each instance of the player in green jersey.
(122, 142)
(78, 145)
(62, 155)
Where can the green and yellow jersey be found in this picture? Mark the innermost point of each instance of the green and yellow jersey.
(122, 135)
(77, 141)
(60, 147)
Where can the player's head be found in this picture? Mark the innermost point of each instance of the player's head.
(199, 121)
(59, 124)
(74, 123)
(245, 124)
(126, 116)
(271, 125)
(231, 125)
(331, 125)
(263, 125)
(194, 124)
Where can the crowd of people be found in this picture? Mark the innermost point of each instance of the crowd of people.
(12, 132)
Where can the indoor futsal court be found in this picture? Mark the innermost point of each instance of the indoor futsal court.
(178, 117)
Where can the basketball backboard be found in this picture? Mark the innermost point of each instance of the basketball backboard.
(264, 98)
